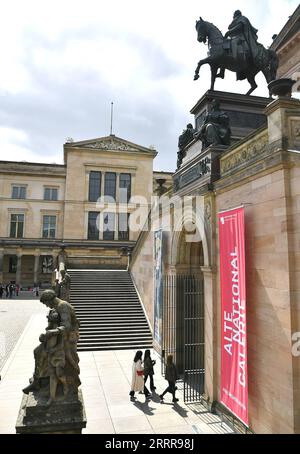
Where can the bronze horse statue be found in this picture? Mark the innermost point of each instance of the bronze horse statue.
(220, 57)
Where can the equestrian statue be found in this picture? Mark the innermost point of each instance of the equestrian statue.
(237, 51)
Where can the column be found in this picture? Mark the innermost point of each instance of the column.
(19, 269)
(210, 305)
(117, 188)
(36, 267)
(1, 265)
(61, 260)
(55, 272)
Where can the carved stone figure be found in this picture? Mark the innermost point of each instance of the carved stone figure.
(184, 139)
(215, 129)
(65, 284)
(238, 51)
(56, 358)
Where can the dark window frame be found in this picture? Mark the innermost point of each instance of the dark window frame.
(110, 185)
(109, 235)
(93, 231)
(127, 186)
(19, 192)
(12, 264)
(95, 178)
(49, 229)
(123, 235)
(52, 191)
(17, 225)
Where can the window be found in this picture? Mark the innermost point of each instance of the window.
(19, 192)
(49, 226)
(125, 187)
(93, 231)
(50, 194)
(123, 226)
(47, 264)
(13, 262)
(110, 185)
(17, 225)
(109, 226)
(94, 186)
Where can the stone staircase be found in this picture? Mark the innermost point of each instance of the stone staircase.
(110, 312)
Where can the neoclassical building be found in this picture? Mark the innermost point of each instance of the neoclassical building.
(286, 45)
(79, 210)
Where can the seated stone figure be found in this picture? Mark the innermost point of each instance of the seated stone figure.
(56, 358)
(215, 129)
(184, 139)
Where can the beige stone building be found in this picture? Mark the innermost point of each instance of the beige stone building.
(49, 211)
(287, 46)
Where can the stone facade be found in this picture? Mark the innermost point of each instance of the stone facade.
(260, 172)
(286, 45)
(36, 198)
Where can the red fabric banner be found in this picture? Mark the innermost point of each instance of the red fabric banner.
(234, 374)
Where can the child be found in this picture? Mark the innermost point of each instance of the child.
(171, 376)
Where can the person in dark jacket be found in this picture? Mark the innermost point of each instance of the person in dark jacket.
(171, 375)
(148, 371)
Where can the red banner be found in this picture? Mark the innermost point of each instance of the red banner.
(234, 376)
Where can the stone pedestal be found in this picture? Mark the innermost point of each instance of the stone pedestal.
(61, 417)
(246, 113)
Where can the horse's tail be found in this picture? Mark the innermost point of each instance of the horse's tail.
(274, 63)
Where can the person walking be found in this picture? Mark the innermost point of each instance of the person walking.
(7, 290)
(17, 289)
(171, 375)
(1, 290)
(148, 371)
(11, 290)
(137, 382)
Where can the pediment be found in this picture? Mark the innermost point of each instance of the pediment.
(110, 143)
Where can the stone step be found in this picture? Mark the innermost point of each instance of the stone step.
(109, 310)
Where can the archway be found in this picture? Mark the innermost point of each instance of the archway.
(184, 310)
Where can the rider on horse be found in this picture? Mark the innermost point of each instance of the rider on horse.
(243, 39)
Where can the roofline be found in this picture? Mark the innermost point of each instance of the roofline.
(27, 163)
(82, 142)
(285, 29)
(165, 173)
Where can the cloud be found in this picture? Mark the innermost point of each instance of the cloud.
(63, 62)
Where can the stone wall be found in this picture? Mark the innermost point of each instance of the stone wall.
(268, 299)
(142, 271)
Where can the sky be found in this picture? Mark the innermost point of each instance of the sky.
(63, 63)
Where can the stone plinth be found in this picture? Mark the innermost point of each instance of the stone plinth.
(202, 170)
(61, 417)
(246, 113)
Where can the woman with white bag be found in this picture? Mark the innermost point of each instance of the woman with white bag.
(137, 382)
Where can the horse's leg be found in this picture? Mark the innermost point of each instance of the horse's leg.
(214, 70)
(266, 72)
(201, 62)
(221, 74)
(251, 80)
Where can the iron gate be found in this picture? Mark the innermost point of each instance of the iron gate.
(193, 333)
(183, 331)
